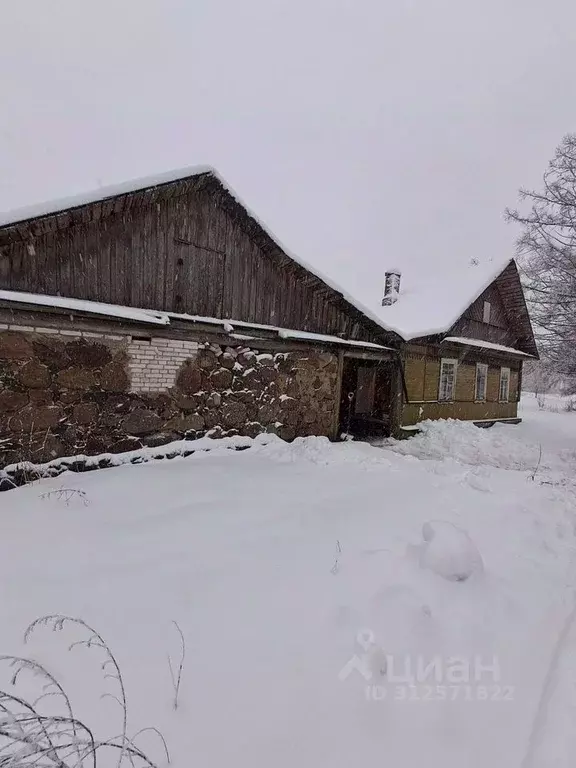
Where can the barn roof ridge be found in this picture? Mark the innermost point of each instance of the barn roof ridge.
(390, 320)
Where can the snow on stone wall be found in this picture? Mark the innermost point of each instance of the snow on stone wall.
(68, 392)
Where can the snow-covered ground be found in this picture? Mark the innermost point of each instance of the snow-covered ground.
(310, 601)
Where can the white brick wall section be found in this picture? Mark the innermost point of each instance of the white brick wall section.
(61, 332)
(154, 364)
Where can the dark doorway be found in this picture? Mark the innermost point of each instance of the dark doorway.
(366, 397)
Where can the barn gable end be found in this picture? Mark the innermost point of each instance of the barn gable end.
(508, 321)
(187, 246)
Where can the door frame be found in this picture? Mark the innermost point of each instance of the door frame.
(391, 361)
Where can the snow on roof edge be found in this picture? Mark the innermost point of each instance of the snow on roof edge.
(304, 264)
(82, 305)
(51, 207)
(485, 345)
(155, 317)
(286, 333)
(434, 331)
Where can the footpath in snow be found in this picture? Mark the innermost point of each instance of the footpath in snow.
(342, 604)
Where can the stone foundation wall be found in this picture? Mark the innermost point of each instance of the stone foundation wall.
(64, 393)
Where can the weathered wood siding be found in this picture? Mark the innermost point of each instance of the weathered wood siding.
(509, 319)
(422, 376)
(498, 330)
(412, 414)
(183, 251)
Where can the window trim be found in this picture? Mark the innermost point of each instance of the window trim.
(486, 312)
(507, 398)
(478, 399)
(449, 361)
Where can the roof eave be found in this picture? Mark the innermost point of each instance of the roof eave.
(214, 182)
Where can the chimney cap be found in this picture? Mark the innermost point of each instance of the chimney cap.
(391, 288)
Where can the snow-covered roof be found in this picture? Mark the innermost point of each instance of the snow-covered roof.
(285, 333)
(114, 311)
(485, 345)
(430, 301)
(44, 209)
(102, 193)
(150, 316)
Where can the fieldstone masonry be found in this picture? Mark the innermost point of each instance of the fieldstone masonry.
(64, 393)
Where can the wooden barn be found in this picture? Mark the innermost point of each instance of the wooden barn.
(163, 308)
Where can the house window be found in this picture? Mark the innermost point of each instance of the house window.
(504, 385)
(447, 379)
(486, 313)
(481, 378)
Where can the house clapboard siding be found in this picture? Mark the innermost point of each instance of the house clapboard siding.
(422, 375)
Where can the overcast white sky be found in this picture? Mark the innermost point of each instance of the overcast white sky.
(364, 133)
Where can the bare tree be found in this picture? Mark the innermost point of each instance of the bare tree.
(547, 249)
(540, 377)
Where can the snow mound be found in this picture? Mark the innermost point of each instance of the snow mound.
(499, 446)
(449, 552)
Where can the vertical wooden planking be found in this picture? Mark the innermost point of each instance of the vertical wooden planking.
(123, 258)
(238, 275)
(103, 256)
(188, 227)
(75, 252)
(135, 276)
(169, 273)
(128, 255)
(154, 277)
(124, 251)
(192, 227)
(215, 286)
(146, 259)
(204, 259)
(177, 302)
(89, 273)
(227, 268)
(62, 266)
(94, 265)
(5, 267)
(47, 254)
(290, 305)
(115, 277)
(159, 257)
(253, 293)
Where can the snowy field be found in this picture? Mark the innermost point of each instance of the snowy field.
(309, 604)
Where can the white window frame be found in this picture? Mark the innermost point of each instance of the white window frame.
(486, 310)
(446, 361)
(480, 397)
(504, 397)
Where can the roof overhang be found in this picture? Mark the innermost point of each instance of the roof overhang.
(235, 330)
(486, 346)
